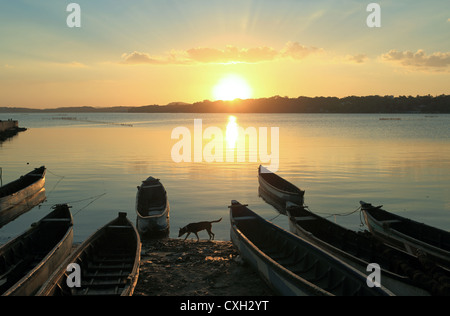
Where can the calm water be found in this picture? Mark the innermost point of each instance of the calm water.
(338, 159)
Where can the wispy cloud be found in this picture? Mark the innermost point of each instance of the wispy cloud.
(230, 54)
(358, 59)
(419, 60)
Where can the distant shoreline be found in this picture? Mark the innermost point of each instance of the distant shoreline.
(357, 105)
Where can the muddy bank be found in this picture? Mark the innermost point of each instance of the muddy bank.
(173, 267)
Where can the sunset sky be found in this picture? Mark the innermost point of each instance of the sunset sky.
(141, 52)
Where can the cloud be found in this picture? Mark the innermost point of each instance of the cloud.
(435, 61)
(230, 54)
(136, 58)
(359, 59)
(297, 51)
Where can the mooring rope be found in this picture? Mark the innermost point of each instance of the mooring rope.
(93, 198)
(56, 184)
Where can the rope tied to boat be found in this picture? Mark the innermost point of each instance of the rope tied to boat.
(56, 184)
(93, 198)
(328, 215)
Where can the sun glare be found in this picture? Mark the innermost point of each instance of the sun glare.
(232, 87)
(232, 132)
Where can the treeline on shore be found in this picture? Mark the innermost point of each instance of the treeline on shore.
(277, 104)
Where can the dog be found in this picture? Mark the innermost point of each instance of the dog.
(196, 227)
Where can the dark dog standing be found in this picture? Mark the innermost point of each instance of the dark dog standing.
(196, 227)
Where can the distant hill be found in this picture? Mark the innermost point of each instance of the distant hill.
(277, 104)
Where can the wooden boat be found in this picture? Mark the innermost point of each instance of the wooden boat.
(398, 269)
(28, 260)
(14, 193)
(26, 205)
(152, 207)
(278, 187)
(408, 235)
(108, 261)
(291, 265)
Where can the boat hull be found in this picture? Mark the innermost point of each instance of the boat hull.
(395, 231)
(279, 189)
(109, 261)
(154, 224)
(14, 193)
(289, 264)
(26, 205)
(334, 239)
(41, 270)
(152, 208)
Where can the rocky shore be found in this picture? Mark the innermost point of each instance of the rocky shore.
(173, 267)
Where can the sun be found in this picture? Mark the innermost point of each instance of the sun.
(232, 87)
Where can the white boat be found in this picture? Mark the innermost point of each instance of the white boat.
(152, 207)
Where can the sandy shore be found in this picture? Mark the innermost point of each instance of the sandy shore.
(173, 267)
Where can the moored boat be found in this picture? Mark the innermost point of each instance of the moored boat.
(279, 188)
(401, 273)
(291, 265)
(24, 206)
(28, 260)
(152, 207)
(15, 192)
(108, 261)
(408, 235)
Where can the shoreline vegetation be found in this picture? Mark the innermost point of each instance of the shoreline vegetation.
(276, 104)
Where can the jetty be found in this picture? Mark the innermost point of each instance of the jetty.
(9, 128)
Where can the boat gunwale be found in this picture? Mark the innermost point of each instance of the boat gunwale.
(316, 251)
(66, 238)
(55, 278)
(354, 260)
(164, 208)
(307, 286)
(39, 177)
(402, 237)
(296, 191)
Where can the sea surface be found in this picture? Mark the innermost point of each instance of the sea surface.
(96, 161)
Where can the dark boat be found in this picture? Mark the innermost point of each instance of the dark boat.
(408, 235)
(26, 205)
(401, 273)
(279, 188)
(152, 207)
(15, 193)
(108, 263)
(291, 265)
(28, 260)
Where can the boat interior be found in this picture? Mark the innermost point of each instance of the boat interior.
(105, 263)
(20, 257)
(297, 257)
